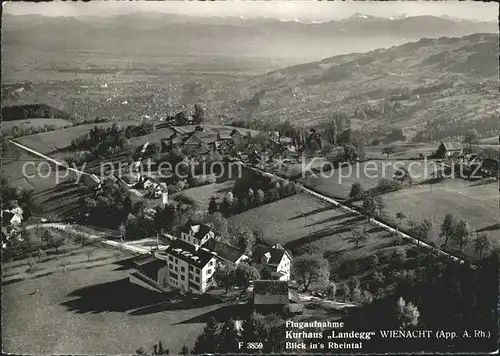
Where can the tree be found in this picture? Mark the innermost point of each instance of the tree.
(399, 255)
(228, 338)
(225, 207)
(470, 137)
(388, 150)
(184, 350)
(481, 244)
(207, 341)
(244, 274)
(158, 349)
(309, 268)
(358, 237)
(212, 205)
(366, 297)
(245, 239)
(199, 114)
(220, 224)
(356, 295)
(331, 290)
(357, 191)
(407, 313)
(400, 216)
(420, 230)
(272, 195)
(379, 204)
(331, 132)
(259, 197)
(373, 260)
(369, 207)
(461, 234)
(447, 227)
(225, 274)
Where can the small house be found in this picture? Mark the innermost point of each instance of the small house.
(275, 261)
(449, 149)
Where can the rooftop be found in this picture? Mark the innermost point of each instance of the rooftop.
(188, 253)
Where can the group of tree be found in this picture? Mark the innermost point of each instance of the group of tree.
(102, 141)
(18, 197)
(18, 131)
(223, 337)
(461, 234)
(232, 205)
(444, 294)
(108, 207)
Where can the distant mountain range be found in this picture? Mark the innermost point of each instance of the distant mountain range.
(260, 37)
(449, 81)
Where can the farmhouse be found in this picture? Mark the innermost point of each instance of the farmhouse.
(275, 261)
(448, 149)
(270, 296)
(188, 263)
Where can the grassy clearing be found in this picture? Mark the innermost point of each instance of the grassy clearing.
(475, 201)
(37, 122)
(56, 195)
(201, 195)
(47, 142)
(303, 224)
(95, 309)
(403, 151)
(337, 183)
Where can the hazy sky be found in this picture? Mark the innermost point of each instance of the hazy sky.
(301, 10)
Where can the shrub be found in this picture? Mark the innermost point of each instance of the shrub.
(399, 255)
(373, 260)
(387, 185)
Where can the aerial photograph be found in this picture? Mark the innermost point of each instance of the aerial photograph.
(246, 177)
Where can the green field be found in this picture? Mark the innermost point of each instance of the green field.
(94, 309)
(56, 196)
(303, 223)
(201, 195)
(37, 122)
(47, 142)
(403, 151)
(473, 201)
(337, 183)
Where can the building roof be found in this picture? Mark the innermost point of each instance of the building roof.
(205, 137)
(275, 254)
(270, 292)
(149, 265)
(223, 250)
(197, 230)
(183, 130)
(188, 253)
(451, 146)
(225, 135)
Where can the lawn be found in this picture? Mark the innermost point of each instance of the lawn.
(96, 310)
(403, 151)
(8, 125)
(337, 183)
(201, 195)
(474, 201)
(56, 195)
(302, 223)
(46, 142)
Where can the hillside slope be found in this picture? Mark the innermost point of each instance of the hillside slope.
(446, 81)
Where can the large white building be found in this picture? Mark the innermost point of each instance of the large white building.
(188, 264)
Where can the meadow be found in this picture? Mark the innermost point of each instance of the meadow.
(477, 202)
(47, 142)
(305, 224)
(337, 183)
(7, 126)
(81, 307)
